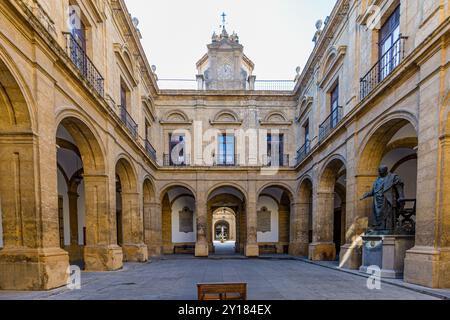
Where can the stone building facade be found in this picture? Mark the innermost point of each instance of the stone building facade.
(99, 165)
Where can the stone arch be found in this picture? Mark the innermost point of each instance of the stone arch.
(281, 211)
(16, 108)
(177, 236)
(373, 146)
(330, 57)
(171, 185)
(329, 173)
(127, 174)
(281, 185)
(86, 140)
(234, 197)
(227, 185)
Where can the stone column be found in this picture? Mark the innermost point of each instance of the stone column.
(74, 249)
(153, 228)
(101, 252)
(251, 247)
(299, 235)
(31, 258)
(323, 248)
(134, 249)
(201, 246)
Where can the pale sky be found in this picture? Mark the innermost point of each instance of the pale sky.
(276, 34)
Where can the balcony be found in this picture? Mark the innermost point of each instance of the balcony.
(179, 161)
(303, 152)
(128, 121)
(333, 120)
(84, 64)
(282, 161)
(383, 68)
(226, 161)
(150, 150)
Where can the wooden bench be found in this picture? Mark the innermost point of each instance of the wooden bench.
(222, 291)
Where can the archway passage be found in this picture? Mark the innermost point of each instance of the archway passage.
(224, 231)
(393, 144)
(227, 204)
(329, 212)
(129, 217)
(71, 197)
(179, 227)
(273, 220)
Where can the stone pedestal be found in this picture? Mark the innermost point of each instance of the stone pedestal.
(252, 250)
(321, 251)
(135, 253)
(297, 249)
(386, 252)
(103, 258)
(201, 249)
(33, 269)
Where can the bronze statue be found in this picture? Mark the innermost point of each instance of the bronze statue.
(388, 203)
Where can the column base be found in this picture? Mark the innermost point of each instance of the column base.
(33, 269)
(135, 253)
(299, 249)
(75, 253)
(252, 250)
(154, 251)
(201, 250)
(429, 267)
(103, 258)
(321, 251)
(350, 256)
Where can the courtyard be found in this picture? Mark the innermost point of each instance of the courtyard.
(269, 278)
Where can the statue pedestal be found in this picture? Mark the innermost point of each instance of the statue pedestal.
(386, 252)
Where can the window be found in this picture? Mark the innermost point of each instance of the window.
(335, 106)
(389, 45)
(176, 147)
(275, 149)
(123, 95)
(307, 133)
(226, 150)
(147, 130)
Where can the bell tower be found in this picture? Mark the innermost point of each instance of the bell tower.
(225, 66)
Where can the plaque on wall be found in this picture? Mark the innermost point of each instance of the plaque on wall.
(264, 220)
(186, 220)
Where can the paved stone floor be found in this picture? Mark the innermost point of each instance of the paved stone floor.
(175, 278)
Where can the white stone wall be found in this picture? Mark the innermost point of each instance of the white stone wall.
(177, 206)
(272, 206)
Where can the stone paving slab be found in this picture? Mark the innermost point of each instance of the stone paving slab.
(175, 278)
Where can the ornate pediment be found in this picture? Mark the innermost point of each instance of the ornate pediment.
(226, 117)
(176, 117)
(276, 118)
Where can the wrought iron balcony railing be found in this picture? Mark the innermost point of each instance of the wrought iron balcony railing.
(274, 85)
(330, 123)
(84, 65)
(303, 152)
(178, 161)
(281, 160)
(128, 121)
(383, 68)
(150, 150)
(226, 161)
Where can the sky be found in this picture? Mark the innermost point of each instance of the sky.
(276, 34)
